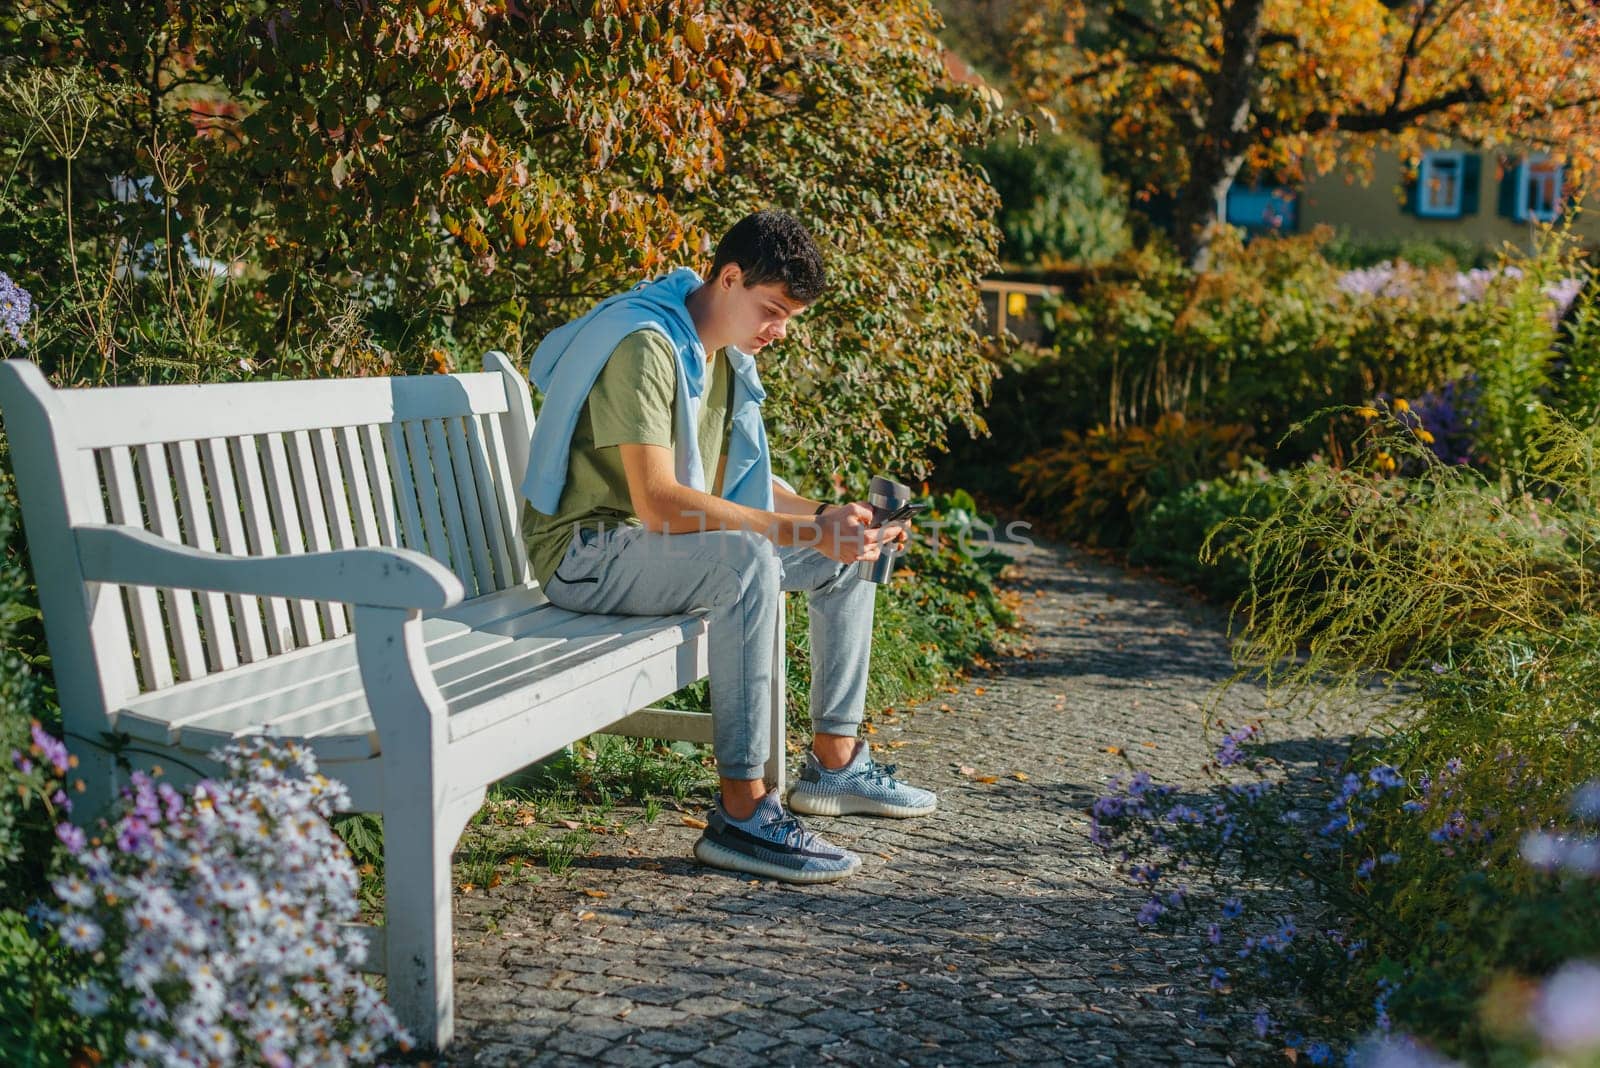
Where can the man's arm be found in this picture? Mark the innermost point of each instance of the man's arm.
(664, 504)
(789, 502)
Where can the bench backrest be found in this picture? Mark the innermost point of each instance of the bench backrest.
(430, 463)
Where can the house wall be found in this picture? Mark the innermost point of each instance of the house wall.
(1375, 210)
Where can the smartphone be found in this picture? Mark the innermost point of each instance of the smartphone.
(905, 511)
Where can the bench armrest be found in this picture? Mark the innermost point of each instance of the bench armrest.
(380, 577)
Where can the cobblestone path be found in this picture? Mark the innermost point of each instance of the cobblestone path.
(989, 933)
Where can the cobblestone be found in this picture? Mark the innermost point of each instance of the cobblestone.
(991, 932)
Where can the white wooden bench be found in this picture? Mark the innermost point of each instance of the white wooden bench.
(338, 562)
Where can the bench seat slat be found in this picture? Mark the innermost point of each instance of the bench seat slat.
(228, 698)
(490, 661)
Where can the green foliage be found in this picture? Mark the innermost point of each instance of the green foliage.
(1172, 535)
(402, 186)
(1056, 206)
(1096, 486)
(1502, 737)
(1346, 250)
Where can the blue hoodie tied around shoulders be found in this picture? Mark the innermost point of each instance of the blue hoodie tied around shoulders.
(569, 360)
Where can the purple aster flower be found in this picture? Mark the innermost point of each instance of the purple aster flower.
(1262, 1023)
(16, 308)
(1219, 978)
(54, 749)
(1232, 908)
(1565, 1010)
(71, 837)
(1152, 911)
(1319, 1053)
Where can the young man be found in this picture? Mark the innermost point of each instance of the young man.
(651, 493)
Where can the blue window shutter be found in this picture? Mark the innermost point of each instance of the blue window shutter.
(1506, 203)
(1471, 180)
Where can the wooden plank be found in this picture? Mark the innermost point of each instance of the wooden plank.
(454, 471)
(335, 494)
(375, 457)
(151, 461)
(261, 538)
(144, 415)
(509, 499)
(423, 478)
(405, 486)
(155, 659)
(198, 533)
(450, 501)
(494, 524)
(281, 494)
(248, 634)
(354, 469)
(668, 723)
(319, 539)
(510, 613)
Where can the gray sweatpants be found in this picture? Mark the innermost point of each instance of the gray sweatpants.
(736, 577)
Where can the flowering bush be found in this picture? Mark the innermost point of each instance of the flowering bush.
(213, 919)
(1095, 485)
(16, 308)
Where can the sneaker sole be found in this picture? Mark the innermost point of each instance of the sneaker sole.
(809, 804)
(717, 856)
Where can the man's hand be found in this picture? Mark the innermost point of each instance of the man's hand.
(846, 536)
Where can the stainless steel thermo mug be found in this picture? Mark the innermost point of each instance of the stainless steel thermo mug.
(885, 495)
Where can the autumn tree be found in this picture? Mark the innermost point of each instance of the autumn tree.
(1186, 94)
(468, 173)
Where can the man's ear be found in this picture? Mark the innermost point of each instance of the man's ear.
(730, 277)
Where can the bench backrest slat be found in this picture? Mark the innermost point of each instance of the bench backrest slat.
(249, 636)
(137, 415)
(246, 458)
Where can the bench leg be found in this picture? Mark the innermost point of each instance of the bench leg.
(418, 920)
(421, 819)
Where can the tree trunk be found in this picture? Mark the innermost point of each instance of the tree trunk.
(1219, 151)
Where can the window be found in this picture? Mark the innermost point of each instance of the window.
(1440, 184)
(1260, 209)
(1538, 189)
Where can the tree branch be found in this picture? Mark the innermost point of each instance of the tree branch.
(1392, 118)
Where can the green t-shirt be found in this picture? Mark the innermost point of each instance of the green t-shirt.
(631, 403)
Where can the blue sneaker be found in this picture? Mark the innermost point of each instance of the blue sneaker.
(861, 786)
(771, 844)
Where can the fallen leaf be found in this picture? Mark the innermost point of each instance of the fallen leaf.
(1020, 776)
(886, 856)
(1148, 745)
(986, 778)
(1113, 749)
(950, 968)
(694, 821)
(595, 893)
(570, 825)
(965, 769)
(978, 689)
(494, 880)
(467, 888)
(944, 708)
(582, 916)
(869, 728)
(897, 745)
(525, 817)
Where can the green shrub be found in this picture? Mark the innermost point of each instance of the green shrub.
(1172, 536)
(1095, 486)
(1347, 251)
(1057, 206)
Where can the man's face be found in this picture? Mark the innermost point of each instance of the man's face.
(756, 315)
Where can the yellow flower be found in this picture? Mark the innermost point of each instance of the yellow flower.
(1367, 413)
(1425, 437)
(1400, 405)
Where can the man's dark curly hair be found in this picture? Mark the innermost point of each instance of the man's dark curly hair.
(773, 246)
